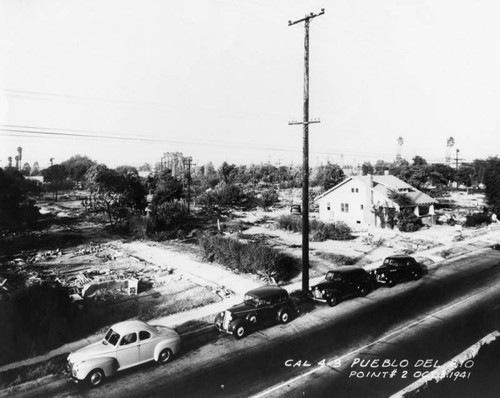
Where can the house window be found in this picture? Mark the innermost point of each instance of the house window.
(353, 190)
(362, 207)
(344, 207)
(328, 206)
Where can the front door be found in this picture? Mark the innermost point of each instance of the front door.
(127, 351)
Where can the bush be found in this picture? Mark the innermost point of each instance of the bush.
(476, 219)
(249, 257)
(268, 198)
(290, 223)
(407, 221)
(35, 319)
(318, 230)
(167, 216)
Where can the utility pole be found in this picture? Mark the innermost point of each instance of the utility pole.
(305, 164)
(456, 167)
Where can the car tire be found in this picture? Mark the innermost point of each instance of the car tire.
(391, 282)
(284, 316)
(332, 300)
(252, 319)
(165, 356)
(240, 331)
(95, 378)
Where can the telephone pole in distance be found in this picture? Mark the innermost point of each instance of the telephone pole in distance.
(305, 164)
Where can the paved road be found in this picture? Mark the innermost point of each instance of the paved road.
(434, 318)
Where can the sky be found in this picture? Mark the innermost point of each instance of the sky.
(125, 81)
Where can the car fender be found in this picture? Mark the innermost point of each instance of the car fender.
(332, 292)
(173, 345)
(108, 365)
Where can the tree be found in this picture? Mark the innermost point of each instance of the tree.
(367, 168)
(77, 166)
(227, 172)
(492, 182)
(15, 206)
(125, 169)
(381, 166)
(55, 174)
(118, 195)
(419, 161)
(26, 171)
(465, 174)
(36, 169)
(329, 175)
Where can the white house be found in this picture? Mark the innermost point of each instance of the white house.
(354, 199)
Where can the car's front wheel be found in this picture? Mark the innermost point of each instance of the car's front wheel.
(240, 331)
(165, 356)
(95, 378)
(416, 275)
(332, 300)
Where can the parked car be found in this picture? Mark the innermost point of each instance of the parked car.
(259, 306)
(296, 209)
(342, 283)
(125, 344)
(398, 268)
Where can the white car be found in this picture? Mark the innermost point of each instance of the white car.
(125, 344)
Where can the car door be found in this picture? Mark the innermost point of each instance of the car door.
(265, 309)
(405, 269)
(146, 346)
(127, 351)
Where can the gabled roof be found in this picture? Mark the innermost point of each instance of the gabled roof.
(384, 184)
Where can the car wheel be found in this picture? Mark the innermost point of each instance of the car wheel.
(165, 356)
(284, 316)
(391, 282)
(239, 331)
(332, 301)
(95, 377)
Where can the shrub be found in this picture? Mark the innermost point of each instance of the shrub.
(248, 257)
(290, 223)
(35, 319)
(476, 219)
(167, 216)
(268, 198)
(407, 221)
(318, 230)
(338, 259)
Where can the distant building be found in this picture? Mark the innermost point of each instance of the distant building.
(354, 199)
(37, 179)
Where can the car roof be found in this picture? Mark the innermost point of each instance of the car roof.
(399, 256)
(130, 326)
(266, 291)
(348, 269)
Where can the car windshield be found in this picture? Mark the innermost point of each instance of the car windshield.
(112, 337)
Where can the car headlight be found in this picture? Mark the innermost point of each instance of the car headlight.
(323, 292)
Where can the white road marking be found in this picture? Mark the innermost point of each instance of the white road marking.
(380, 340)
